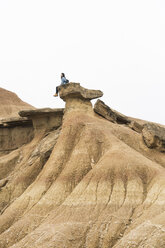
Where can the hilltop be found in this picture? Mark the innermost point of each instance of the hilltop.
(11, 104)
(85, 177)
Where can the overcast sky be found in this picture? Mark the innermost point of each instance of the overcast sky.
(117, 46)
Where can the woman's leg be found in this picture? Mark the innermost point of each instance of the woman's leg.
(56, 92)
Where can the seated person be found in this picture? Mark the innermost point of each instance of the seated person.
(63, 81)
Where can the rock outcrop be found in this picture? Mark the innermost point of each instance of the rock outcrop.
(10, 104)
(88, 183)
(14, 133)
(18, 131)
(136, 126)
(15, 121)
(154, 136)
(102, 109)
(45, 119)
(78, 98)
(74, 90)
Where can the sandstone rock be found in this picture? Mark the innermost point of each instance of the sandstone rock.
(3, 182)
(90, 184)
(14, 132)
(136, 126)
(154, 136)
(17, 131)
(102, 109)
(15, 121)
(74, 90)
(8, 163)
(10, 104)
(41, 112)
(45, 119)
(78, 98)
(44, 148)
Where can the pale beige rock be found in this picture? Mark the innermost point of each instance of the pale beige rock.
(44, 148)
(3, 182)
(154, 136)
(14, 134)
(136, 126)
(45, 119)
(78, 98)
(10, 104)
(74, 90)
(101, 187)
(102, 109)
(15, 121)
(14, 131)
(41, 112)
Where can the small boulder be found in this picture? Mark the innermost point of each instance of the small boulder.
(134, 125)
(154, 136)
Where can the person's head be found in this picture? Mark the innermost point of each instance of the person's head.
(62, 75)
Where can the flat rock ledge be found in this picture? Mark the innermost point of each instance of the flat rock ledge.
(74, 90)
(41, 112)
(45, 119)
(15, 121)
(154, 136)
(105, 111)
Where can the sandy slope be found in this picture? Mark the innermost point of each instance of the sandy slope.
(100, 188)
(10, 104)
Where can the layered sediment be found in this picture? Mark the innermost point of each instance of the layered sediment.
(78, 98)
(10, 104)
(45, 119)
(14, 133)
(90, 181)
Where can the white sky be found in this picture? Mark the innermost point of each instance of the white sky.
(117, 46)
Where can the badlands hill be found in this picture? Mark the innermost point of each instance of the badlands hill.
(84, 178)
(10, 104)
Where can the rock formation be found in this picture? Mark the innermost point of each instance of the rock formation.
(46, 119)
(74, 90)
(14, 132)
(10, 104)
(17, 131)
(91, 181)
(154, 136)
(77, 97)
(136, 126)
(102, 109)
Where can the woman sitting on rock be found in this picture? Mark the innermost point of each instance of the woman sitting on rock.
(63, 81)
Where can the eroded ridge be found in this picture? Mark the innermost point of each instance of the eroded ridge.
(97, 186)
